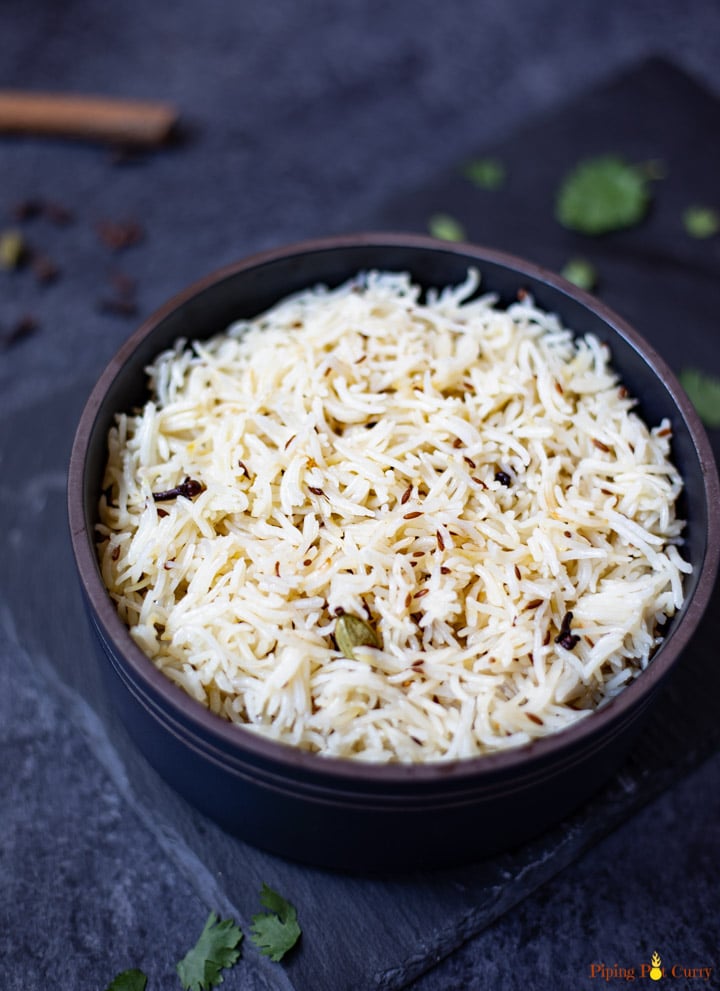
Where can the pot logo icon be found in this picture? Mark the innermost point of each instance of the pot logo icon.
(655, 973)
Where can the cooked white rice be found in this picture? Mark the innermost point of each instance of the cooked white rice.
(459, 475)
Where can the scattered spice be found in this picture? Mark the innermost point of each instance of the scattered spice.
(119, 234)
(534, 603)
(307, 562)
(469, 461)
(14, 251)
(315, 490)
(34, 207)
(117, 306)
(162, 513)
(243, 468)
(503, 478)
(412, 516)
(22, 328)
(440, 541)
(457, 443)
(26, 210)
(44, 268)
(534, 719)
(352, 632)
(565, 638)
(518, 575)
(188, 489)
(421, 593)
(406, 495)
(115, 552)
(600, 446)
(123, 301)
(57, 214)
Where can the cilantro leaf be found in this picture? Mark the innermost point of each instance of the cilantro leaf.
(129, 980)
(485, 173)
(603, 194)
(581, 273)
(277, 931)
(216, 948)
(701, 221)
(704, 393)
(445, 227)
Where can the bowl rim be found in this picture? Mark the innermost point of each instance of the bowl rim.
(207, 726)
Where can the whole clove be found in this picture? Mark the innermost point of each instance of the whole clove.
(188, 489)
(565, 638)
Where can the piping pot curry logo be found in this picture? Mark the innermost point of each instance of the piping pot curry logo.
(654, 970)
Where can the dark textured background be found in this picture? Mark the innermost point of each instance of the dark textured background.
(304, 119)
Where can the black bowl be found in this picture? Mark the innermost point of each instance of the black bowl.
(340, 813)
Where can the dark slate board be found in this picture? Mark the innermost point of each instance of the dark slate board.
(362, 933)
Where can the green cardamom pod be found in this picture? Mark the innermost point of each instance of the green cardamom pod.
(351, 632)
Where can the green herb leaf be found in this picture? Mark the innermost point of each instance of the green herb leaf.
(704, 392)
(581, 273)
(129, 980)
(277, 931)
(352, 632)
(447, 228)
(603, 194)
(701, 221)
(216, 948)
(485, 173)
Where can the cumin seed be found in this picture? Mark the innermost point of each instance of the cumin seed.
(413, 515)
(600, 446)
(406, 495)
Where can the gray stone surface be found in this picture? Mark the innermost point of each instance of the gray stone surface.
(305, 118)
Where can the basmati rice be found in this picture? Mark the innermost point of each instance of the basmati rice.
(468, 479)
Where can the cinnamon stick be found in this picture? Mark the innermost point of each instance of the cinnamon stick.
(123, 122)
